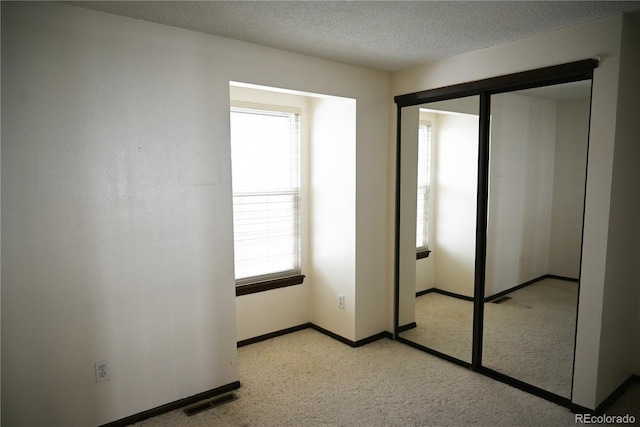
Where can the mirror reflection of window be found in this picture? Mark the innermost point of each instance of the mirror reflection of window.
(424, 173)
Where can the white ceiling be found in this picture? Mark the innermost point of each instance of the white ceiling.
(385, 35)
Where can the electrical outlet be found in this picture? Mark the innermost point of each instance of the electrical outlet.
(102, 371)
(340, 301)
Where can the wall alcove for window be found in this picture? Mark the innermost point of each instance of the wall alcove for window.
(508, 202)
(327, 126)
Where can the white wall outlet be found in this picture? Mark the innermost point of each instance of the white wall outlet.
(340, 301)
(102, 371)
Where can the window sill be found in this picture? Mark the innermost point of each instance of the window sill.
(267, 285)
(423, 254)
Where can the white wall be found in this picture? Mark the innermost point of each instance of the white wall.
(622, 281)
(454, 198)
(572, 137)
(520, 190)
(116, 197)
(408, 207)
(333, 219)
(374, 277)
(599, 38)
(424, 273)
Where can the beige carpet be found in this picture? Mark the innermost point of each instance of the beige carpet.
(529, 337)
(309, 379)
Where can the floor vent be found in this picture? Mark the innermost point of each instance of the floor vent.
(500, 300)
(203, 406)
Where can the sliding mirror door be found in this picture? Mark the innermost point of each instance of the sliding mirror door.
(537, 172)
(438, 185)
(504, 211)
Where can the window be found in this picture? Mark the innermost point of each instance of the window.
(265, 146)
(424, 173)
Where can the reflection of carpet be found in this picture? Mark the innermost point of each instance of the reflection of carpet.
(529, 337)
(444, 324)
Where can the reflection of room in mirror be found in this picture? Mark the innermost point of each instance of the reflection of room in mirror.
(539, 140)
(537, 183)
(443, 322)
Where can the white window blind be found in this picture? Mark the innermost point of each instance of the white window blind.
(424, 173)
(266, 193)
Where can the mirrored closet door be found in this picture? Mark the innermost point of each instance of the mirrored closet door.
(537, 172)
(440, 156)
(490, 195)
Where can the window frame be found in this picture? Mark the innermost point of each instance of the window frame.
(284, 278)
(424, 251)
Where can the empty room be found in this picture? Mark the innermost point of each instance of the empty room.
(319, 213)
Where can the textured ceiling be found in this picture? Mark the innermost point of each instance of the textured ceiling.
(386, 35)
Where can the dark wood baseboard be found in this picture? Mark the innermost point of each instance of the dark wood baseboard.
(499, 294)
(178, 404)
(515, 288)
(407, 327)
(350, 343)
(373, 338)
(577, 409)
(606, 403)
(326, 332)
(525, 284)
(565, 278)
(441, 292)
(273, 334)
